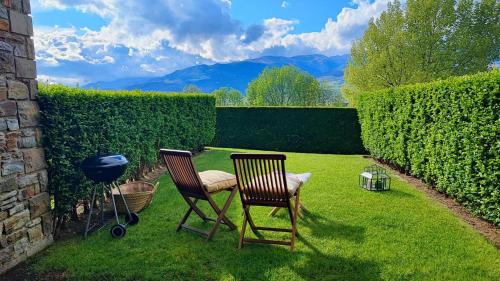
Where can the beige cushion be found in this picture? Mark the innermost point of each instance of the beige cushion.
(217, 180)
(292, 182)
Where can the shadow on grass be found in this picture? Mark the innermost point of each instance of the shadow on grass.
(397, 194)
(323, 227)
(326, 228)
(310, 264)
(331, 267)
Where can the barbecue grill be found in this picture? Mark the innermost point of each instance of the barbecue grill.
(104, 171)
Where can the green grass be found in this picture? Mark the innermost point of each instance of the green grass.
(352, 234)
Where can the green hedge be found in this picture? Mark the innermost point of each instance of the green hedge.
(445, 132)
(78, 123)
(298, 129)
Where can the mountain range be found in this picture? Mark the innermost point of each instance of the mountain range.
(235, 74)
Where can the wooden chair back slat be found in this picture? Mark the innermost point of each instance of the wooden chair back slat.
(264, 179)
(261, 177)
(181, 168)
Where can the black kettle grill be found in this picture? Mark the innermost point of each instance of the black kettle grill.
(105, 170)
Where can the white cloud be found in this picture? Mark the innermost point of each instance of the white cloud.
(284, 4)
(105, 59)
(55, 44)
(152, 68)
(49, 4)
(72, 81)
(337, 35)
(227, 2)
(104, 8)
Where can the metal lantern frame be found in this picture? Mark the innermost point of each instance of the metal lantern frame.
(375, 178)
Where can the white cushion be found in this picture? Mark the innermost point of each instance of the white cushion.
(293, 183)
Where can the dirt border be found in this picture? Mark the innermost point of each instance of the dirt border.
(487, 229)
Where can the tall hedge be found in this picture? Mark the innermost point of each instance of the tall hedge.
(445, 132)
(78, 123)
(298, 129)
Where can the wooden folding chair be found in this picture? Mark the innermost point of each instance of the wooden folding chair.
(262, 181)
(194, 186)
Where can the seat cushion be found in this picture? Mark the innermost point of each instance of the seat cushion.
(292, 182)
(217, 180)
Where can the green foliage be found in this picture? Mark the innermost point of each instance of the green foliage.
(191, 88)
(445, 132)
(426, 40)
(78, 123)
(331, 94)
(284, 86)
(322, 130)
(228, 97)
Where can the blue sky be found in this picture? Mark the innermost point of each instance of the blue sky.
(81, 41)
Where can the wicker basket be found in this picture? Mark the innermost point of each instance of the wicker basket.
(138, 195)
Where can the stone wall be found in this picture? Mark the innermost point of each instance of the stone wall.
(25, 221)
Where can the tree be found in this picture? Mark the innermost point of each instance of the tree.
(191, 88)
(424, 41)
(284, 86)
(228, 97)
(331, 94)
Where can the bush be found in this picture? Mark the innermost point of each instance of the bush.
(78, 123)
(322, 130)
(445, 132)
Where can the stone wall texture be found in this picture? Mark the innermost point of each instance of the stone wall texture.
(25, 219)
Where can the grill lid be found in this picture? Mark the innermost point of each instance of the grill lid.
(104, 168)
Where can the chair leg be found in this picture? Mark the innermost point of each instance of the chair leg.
(195, 208)
(294, 202)
(253, 227)
(274, 211)
(303, 208)
(185, 217)
(294, 220)
(243, 229)
(226, 220)
(222, 215)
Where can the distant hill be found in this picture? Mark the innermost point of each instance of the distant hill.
(236, 74)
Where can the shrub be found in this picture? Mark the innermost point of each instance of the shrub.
(445, 132)
(322, 130)
(78, 123)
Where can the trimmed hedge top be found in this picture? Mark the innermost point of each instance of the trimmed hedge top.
(78, 123)
(298, 129)
(445, 132)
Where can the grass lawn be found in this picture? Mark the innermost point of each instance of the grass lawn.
(352, 234)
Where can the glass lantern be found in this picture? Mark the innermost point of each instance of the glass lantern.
(375, 178)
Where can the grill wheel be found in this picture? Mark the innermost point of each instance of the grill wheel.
(132, 219)
(118, 231)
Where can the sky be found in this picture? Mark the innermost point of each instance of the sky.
(82, 41)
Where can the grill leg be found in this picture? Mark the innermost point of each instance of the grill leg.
(90, 213)
(114, 205)
(123, 198)
(101, 203)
